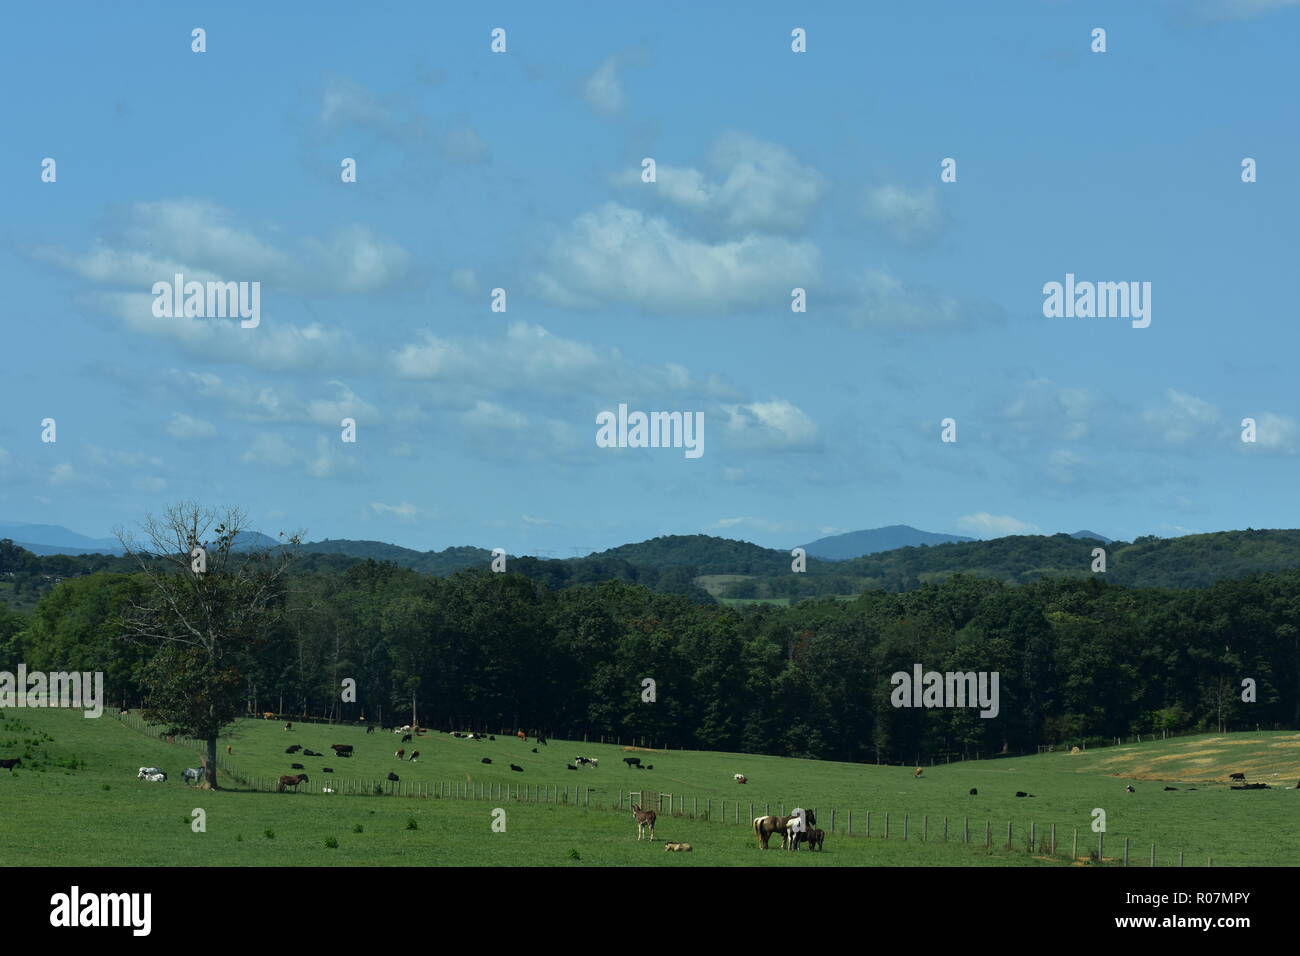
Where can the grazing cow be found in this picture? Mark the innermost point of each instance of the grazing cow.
(677, 847)
(342, 750)
(632, 761)
(1021, 793)
(815, 839)
(542, 741)
(294, 749)
(290, 781)
(522, 736)
(393, 777)
(400, 753)
(415, 755)
(649, 766)
(146, 771)
(191, 775)
(11, 763)
(486, 760)
(155, 777)
(267, 715)
(1171, 788)
(1129, 789)
(311, 753)
(535, 750)
(644, 819)
(974, 792)
(1251, 786)
(581, 760)
(569, 766)
(296, 766)
(918, 772)
(406, 738)
(740, 778)
(1237, 776)
(516, 768)
(326, 769)
(492, 737)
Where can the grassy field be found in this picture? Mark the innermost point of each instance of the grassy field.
(76, 801)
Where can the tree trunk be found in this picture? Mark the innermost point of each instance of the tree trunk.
(210, 765)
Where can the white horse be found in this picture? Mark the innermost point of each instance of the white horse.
(798, 824)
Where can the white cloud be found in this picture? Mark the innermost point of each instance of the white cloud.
(770, 425)
(761, 186)
(1275, 433)
(909, 216)
(985, 525)
(603, 90)
(200, 240)
(1184, 418)
(186, 427)
(616, 255)
(406, 511)
(882, 299)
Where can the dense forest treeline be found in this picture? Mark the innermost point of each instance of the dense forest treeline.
(1078, 659)
(675, 564)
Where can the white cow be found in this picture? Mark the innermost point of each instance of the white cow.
(155, 777)
(146, 771)
(740, 778)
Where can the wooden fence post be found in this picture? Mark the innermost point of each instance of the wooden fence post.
(988, 834)
(1153, 855)
(1126, 851)
(925, 828)
(1101, 846)
(886, 824)
(1008, 834)
(945, 829)
(1053, 839)
(1032, 834)
(832, 819)
(904, 826)
(1074, 848)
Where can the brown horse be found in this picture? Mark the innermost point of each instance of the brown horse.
(644, 819)
(767, 827)
(815, 838)
(291, 781)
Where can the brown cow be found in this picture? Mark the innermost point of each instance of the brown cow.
(291, 781)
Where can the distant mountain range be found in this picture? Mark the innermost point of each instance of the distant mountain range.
(737, 557)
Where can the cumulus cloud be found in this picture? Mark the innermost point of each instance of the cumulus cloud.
(1274, 433)
(985, 525)
(201, 240)
(770, 425)
(758, 186)
(405, 511)
(910, 216)
(615, 255)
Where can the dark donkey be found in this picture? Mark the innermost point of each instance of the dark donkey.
(644, 819)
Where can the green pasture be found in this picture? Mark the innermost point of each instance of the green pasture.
(76, 801)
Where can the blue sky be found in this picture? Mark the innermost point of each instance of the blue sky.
(775, 170)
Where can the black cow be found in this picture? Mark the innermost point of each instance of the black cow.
(311, 753)
(343, 750)
(10, 764)
(649, 766)
(370, 729)
(492, 737)
(1129, 789)
(393, 777)
(1171, 788)
(1021, 793)
(541, 740)
(1238, 776)
(486, 760)
(632, 761)
(296, 766)
(516, 768)
(569, 766)
(405, 737)
(326, 769)
(294, 749)
(974, 792)
(534, 750)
